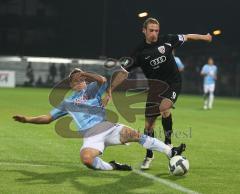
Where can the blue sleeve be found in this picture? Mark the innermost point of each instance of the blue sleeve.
(58, 112)
(179, 62)
(94, 89)
(133, 63)
(102, 89)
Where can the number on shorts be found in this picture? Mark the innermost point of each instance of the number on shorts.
(174, 95)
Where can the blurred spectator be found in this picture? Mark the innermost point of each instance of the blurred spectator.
(39, 82)
(209, 72)
(29, 75)
(62, 71)
(52, 73)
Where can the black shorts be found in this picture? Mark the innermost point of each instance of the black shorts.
(155, 96)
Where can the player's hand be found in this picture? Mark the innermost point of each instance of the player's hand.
(212, 74)
(20, 118)
(208, 37)
(106, 98)
(75, 70)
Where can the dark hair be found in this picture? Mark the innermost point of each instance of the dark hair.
(150, 21)
(76, 70)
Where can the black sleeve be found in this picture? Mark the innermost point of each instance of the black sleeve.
(132, 62)
(129, 63)
(174, 40)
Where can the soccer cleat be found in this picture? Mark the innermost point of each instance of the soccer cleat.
(118, 166)
(146, 163)
(178, 150)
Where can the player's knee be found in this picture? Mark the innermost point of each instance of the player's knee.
(129, 135)
(149, 124)
(149, 127)
(166, 113)
(148, 130)
(165, 106)
(87, 159)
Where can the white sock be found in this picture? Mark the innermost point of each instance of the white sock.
(211, 99)
(99, 164)
(206, 103)
(155, 144)
(206, 100)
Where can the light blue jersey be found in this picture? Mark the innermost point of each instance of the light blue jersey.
(179, 63)
(84, 106)
(211, 73)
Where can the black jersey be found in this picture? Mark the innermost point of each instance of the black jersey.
(156, 60)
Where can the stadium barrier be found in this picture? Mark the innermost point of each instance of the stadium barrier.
(47, 71)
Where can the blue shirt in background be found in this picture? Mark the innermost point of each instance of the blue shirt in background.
(179, 63)
(211, 73)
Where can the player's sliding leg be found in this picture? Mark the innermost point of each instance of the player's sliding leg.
(90, 158)
(129, 135)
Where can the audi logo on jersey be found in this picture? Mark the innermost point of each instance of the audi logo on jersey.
(158, 61)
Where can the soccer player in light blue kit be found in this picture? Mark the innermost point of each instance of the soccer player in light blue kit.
(179, 63)
(86, 108)
(209, 71)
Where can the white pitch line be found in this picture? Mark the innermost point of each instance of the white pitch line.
(20, 164)
(37, 165)
(165, 182)
(152, 177)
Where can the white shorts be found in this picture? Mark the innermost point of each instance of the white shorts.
(208, 88)
(104, 139)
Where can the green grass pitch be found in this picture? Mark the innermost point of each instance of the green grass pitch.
(34, 159)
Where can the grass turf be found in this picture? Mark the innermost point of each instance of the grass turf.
(34, 159)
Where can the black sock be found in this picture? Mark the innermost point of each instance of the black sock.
(167, 127)
(149, 153)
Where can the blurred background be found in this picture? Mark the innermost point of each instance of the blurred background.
(42, 40)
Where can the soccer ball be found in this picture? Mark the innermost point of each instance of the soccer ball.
(178, 165)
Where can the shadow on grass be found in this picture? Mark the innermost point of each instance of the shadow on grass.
(170, 177)
(86, 180)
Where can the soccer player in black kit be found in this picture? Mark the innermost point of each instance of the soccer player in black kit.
(154, 57)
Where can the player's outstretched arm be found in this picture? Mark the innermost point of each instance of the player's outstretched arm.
(94, 77)
(42, 119)
(198, 37)
(117, 78)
